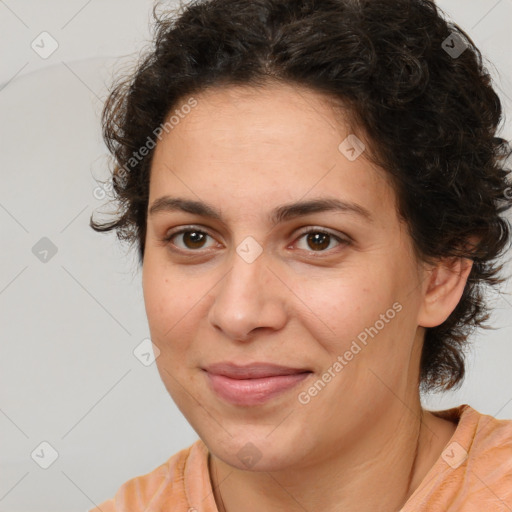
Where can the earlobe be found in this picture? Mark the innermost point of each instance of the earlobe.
(444, 287)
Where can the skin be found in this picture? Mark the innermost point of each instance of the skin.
(246, 151)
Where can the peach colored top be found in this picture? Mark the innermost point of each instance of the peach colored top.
(473, 474)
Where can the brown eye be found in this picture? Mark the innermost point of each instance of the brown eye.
(191, 239)
(318, 241)
(194, 239)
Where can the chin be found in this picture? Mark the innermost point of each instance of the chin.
(254, 449)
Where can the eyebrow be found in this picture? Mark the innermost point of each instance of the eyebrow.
(279, 214)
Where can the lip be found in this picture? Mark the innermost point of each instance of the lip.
(253, 384)
(252, 371)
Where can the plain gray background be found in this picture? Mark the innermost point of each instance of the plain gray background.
(70, 321)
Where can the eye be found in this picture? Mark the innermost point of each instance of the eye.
(319, 240)
(192, 239)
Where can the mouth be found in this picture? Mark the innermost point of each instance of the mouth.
(253, 384)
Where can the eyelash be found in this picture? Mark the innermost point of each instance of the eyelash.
(189, 229)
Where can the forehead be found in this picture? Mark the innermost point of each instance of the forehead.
(273, 114)
(273, 144)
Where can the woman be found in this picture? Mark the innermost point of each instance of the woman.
(316, 191)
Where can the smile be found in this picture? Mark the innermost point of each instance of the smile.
(252, 385)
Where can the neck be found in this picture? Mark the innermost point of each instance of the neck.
(378, 472)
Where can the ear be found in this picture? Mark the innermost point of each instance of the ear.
(443, 288)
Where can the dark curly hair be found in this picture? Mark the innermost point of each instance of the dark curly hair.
(411, 79)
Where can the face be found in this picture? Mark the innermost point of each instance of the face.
(280, 284)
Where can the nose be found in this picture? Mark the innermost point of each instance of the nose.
(248, 298)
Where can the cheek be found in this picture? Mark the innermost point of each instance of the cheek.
(169, 305)
(166, 299)
(339, 308)
(156, 300)
(176, 303)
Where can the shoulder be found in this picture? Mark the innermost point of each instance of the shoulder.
(490, 451)
(474, 471)
(166, 485)
(485, 439)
